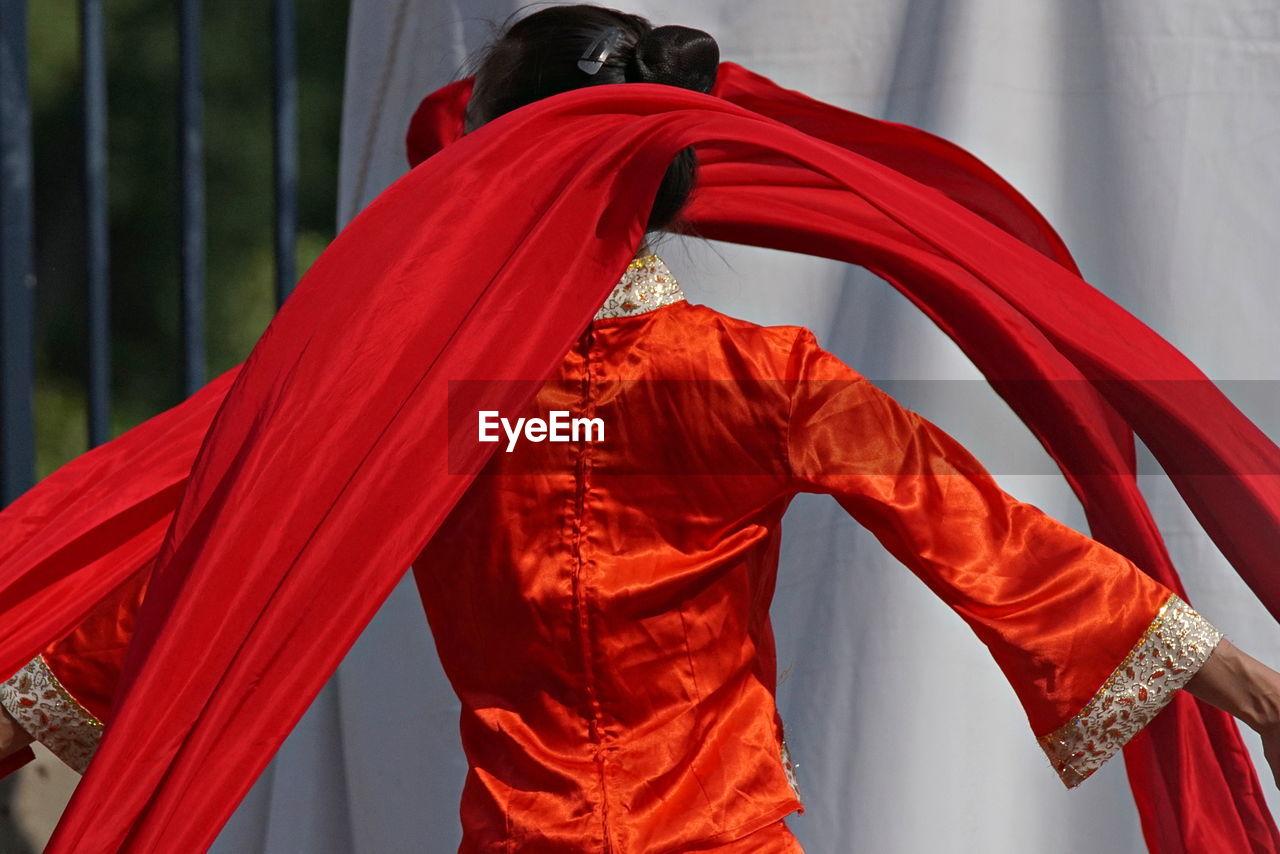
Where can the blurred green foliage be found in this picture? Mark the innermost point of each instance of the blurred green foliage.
(141, 39)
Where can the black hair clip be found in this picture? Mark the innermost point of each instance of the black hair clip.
(593, 59)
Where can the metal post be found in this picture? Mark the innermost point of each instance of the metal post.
(191, 164)
(96, 223)
(285, 97)
(17, 275)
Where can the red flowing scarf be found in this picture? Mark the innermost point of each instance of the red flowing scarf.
(283, 502)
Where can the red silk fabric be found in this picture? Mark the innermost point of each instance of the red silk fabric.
(325, 471)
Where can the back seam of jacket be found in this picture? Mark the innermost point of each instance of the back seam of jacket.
(581, 489)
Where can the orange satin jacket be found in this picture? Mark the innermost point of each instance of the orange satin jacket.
(601, 603)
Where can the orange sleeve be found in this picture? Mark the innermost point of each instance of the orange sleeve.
(62, 696)
(1092, 646)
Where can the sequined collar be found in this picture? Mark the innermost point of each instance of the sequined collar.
(647, 284)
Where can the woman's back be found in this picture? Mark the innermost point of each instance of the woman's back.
(601, 604)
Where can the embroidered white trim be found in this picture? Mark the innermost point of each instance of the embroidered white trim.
(647, 284)
(1169, 653)
(45, 709)
(789, 768)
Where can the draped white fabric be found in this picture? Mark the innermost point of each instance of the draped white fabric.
(1146, 132)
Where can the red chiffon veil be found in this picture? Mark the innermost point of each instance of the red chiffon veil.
(282, 502)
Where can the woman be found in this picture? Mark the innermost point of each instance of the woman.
(609, 637)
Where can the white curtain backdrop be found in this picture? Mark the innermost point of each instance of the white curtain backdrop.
(1147, 133)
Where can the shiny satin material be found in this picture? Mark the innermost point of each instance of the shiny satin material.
(1058, 611)
(774, 839)
(88, 660)
(458, 272)
(601, 607)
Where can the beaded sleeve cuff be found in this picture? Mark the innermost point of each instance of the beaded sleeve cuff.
(44, 708)
(1171, 650)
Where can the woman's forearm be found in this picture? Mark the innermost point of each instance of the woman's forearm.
(1244, 687)
(1239, 684)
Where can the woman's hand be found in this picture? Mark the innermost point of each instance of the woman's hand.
(12, 736)
(1271, 750)
(1246, 688)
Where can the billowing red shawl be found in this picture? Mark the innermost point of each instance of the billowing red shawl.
(283, 502)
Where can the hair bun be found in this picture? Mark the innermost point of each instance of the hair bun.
(676, 56)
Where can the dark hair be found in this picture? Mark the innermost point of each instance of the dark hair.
(539, 55)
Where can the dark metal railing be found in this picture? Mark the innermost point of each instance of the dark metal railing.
(285, 102)
(191, 171)
(17, 279)
(17, 276)
(97, 257)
